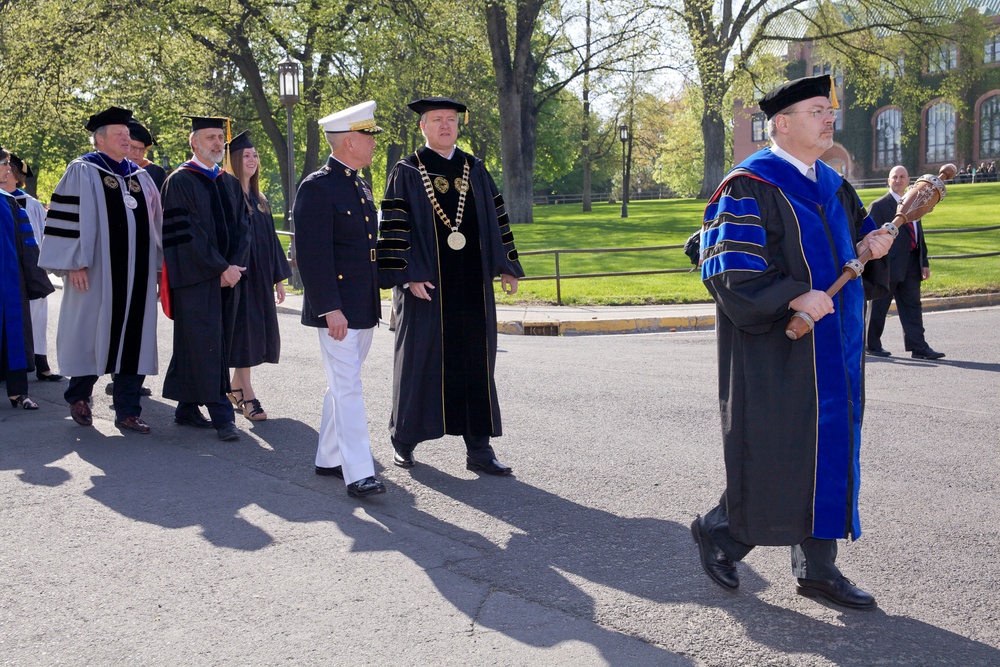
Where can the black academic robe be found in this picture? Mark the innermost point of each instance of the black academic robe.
(256, 339)
(20, 281)
(445, 350)
(157, 173)
(791, 410)
(204, 232)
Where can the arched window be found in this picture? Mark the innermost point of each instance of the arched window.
(989, 127)
(888, 125)
(940, 133)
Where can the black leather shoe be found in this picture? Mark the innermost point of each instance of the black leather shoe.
(879, 352)
(403, 459)
(491, 467)
(336, 471)
(51, 377)
(228, 432)
(369, 486)
(841, 591)
(714, 561)
(927, 353)
(192, 419)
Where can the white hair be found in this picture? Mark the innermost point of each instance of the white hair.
(101, 132)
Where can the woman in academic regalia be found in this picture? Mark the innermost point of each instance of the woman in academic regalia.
(20, 280)
(255, 338)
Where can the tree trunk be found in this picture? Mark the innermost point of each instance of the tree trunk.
(516, 71)
(585, 135)
(713, 132)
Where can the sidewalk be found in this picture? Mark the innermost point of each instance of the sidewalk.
(548, 320)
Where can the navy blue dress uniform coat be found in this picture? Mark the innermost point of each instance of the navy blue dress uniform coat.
(336, 229)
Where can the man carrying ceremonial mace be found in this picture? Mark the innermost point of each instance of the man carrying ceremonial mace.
(776, 234)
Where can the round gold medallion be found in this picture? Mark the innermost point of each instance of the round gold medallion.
(456, 240)
(133, 185)
(441, 184)
(111, 182)
(458, 185)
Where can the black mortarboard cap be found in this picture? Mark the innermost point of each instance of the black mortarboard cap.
(790, 92)
(110, 116)
(432, 103)
(138, 132)
(240, 142)
(21, 165)
(207, 122)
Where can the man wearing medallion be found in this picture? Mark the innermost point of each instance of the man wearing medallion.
(102, 236)
(205, 244)
(336, 223)
(444, 238)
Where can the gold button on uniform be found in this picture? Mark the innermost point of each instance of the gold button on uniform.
(340, 277)
(348, 213)
(366, 218)
(369, 236)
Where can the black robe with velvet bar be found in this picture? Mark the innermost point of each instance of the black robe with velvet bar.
(445, 352)
(204, 232)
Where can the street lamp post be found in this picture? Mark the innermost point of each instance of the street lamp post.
(288, 94)
(623, 135)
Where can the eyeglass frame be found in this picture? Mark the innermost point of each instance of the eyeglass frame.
(832, 112)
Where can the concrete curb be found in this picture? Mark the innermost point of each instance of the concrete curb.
(568, 321)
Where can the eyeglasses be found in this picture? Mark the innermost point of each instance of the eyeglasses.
(816, 113)
(4, 163)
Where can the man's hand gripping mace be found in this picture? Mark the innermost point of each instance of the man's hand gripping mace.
(918, 201)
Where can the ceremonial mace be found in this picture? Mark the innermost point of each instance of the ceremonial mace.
(919, 200)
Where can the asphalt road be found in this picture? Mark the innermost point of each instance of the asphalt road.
(178, 549)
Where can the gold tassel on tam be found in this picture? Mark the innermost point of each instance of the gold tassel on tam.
(227, 163)
(833, 93)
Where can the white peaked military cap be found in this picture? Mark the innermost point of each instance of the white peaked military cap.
(359, 118)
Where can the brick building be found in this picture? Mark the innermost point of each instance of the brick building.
(869, 140)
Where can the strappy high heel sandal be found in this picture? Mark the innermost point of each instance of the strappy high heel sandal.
(237, 402)
(23, 401)
(253, 411)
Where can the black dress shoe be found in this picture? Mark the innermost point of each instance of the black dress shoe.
(927, 353)
(228, 432)
(336, 471)
(879, 352)
(51, 377)
(192, 419)
(369, 486)
(840, 591)
(403, 459)
(491, 467)
(714, 561)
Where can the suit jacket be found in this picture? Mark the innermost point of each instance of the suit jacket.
(336, 229)
(883, 210)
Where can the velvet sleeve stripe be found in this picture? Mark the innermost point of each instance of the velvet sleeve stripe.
(734, 233)
(732, 208)
(174, 213)
(393, 244)
(392, 263)
(60, 231)
(395, 205)
(176, 240)
(174, 227)
(25, 227)
(69, 200)
(401, 225)
(732, 261)
(68, 216)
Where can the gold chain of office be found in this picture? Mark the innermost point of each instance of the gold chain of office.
(456, 240)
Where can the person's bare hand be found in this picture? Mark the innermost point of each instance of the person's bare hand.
(232, 275)
(813, 303)
(78, 279)
(508, 283)
(877, 242)
(336, 325)
(419, 290)
(279, 290)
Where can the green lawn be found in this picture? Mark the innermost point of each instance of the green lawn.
(668, 222)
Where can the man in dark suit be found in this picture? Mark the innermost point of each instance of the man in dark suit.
(336, 225)
(907, 267)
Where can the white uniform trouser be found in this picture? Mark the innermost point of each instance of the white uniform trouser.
(343, 430)
(39, 309)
